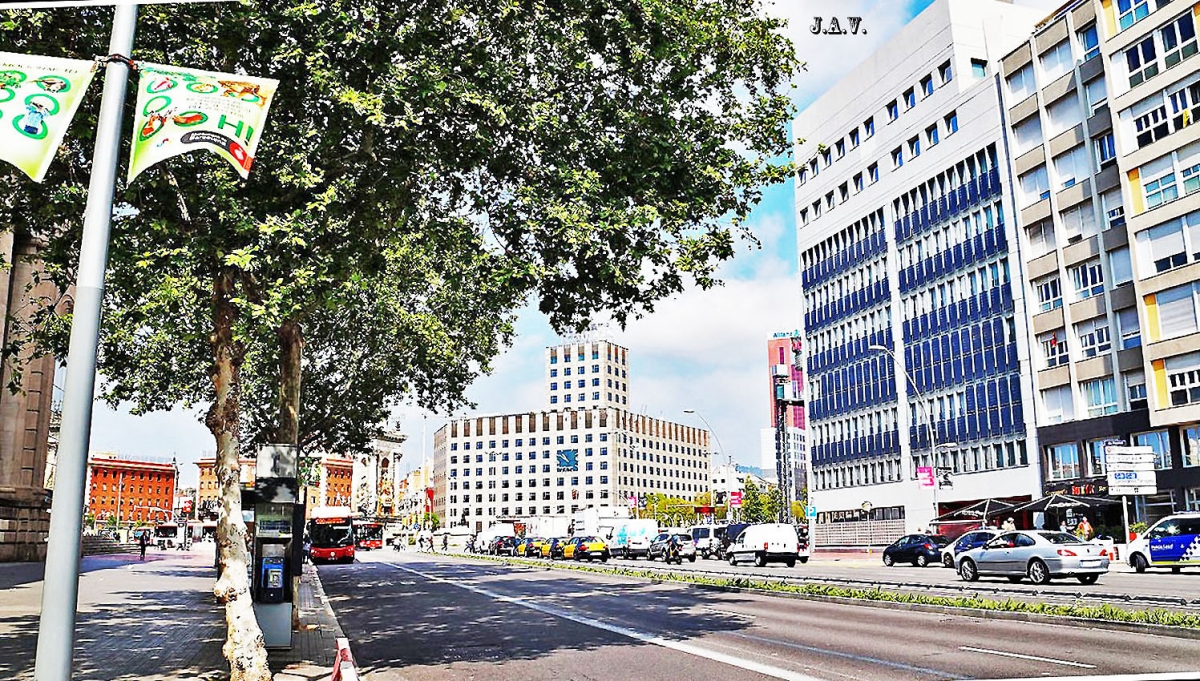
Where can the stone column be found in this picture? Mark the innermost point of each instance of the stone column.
(25, 416)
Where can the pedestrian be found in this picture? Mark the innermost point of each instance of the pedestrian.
(1009, 525)
(143, 540)
(446, 541)
(1063, 527)
(1084, 529)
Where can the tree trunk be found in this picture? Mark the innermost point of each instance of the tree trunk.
(244, 646)
(291, 349)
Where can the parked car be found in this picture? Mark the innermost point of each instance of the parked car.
(658, 547)
(526, 546)
(1040, 555)
(553, 548)
(768, 543)
(503, 546)
(590, 548)
(918, 549)
(1166, 543)
(965, 542)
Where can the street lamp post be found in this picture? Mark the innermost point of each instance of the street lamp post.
(728, 484)
(934, 447)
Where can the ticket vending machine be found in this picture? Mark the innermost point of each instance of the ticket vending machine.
(275, 533)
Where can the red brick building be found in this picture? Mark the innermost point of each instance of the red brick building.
(339, 481)
(130, 490)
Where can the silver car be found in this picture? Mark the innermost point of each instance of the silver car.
(1039, 555)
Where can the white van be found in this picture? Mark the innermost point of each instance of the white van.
(768, 543)
(1172, 542)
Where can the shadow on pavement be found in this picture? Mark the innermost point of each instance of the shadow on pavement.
(397, 620)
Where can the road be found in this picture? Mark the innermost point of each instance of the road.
(419, 616)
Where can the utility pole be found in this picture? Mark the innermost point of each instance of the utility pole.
(60, 598)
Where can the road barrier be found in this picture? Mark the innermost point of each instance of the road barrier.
(343, 664)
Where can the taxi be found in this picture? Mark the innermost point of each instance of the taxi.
(530, 547)
(553, 548)
(591, 548)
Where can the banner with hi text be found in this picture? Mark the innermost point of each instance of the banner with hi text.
(38, 99)
(183, 110)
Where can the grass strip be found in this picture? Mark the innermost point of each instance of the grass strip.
(1103, 612)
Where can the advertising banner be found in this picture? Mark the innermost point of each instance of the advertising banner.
(184, 110)
(735, 499)
(38, 99)
(925, 476)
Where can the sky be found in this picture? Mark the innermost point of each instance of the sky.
(701, 350)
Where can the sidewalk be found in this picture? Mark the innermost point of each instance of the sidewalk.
(155, 620)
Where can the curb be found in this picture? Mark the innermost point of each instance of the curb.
(1037, 618)
(319, 593)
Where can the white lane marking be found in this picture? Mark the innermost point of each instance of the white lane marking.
(1051, 660)
(713, 655)
(1164, 676)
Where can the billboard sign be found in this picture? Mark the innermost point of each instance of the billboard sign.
(925, 476)
(735, 499)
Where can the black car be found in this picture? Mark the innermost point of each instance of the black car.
(918, 549)
(557, 544)
(503, 546)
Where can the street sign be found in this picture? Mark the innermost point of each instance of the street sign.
(1116, 456)
(735, 499)
(1132, 482)
(810, 512)
(925, 476)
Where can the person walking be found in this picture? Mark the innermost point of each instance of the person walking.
(446, 541)
(143, 540)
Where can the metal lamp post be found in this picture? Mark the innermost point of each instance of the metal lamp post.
(934, 447)
(728, 484)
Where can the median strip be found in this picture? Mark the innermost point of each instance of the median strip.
(1099, 613)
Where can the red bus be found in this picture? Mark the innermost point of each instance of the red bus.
(331, 534)
(368, 535)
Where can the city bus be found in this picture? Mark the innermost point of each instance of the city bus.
(368, 535)
(331, 533)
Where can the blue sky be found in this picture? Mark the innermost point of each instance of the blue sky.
(703, 350)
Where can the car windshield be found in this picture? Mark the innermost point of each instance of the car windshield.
(939, 539)
(1060, 538)
(683, 537)
(325, 536)
(588, 540)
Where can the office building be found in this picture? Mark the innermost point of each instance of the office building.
(132, 490)
(1100, 102)
(918, 371)
(583, 449)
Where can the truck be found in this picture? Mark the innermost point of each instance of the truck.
(587, 522)
(548, 526)
(493, 531)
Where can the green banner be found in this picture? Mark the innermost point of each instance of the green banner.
(38, 99)
(184, 110)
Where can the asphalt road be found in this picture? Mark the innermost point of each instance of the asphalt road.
(419, 616)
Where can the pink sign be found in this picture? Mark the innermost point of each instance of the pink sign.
(925, 476)
(735, 499)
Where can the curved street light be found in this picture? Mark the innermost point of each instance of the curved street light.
(718, 439)
(933, 443)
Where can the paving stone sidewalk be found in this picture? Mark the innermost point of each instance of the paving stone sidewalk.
(155, 619)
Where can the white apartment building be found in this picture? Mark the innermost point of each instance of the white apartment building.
(583, 449)
(914, 331)
(1100, 101)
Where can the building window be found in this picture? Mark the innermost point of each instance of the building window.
(951, 123)
(1088, 279)
(869, 127)
(1135, 389)
(1160, 442)
(1161, 189)
(946, 73)
(1094, 337)
(1027, 135)
(1191, 452)
(1142, 61)
(910, 98)
(1054, 349)
(1183, 379)
(914, 147)
(1152, 126)
(1129, 12)
(1131, 333)
(840, 145)
(979, 68)
(893, 110)
(1062, 461)
(1049, 291)
(1121, 266)
(1021, 84)
(1035, 186)
(858, 183)
(927, 86)
(1101, 396)
(1056, 61)
(827, 157)
(931, 136)
(1179, 39)
(1106, 151)
(873, 172)
(854, 138)
(897, 157)
(1097, 456)
(1089, 42)
(1163, 246)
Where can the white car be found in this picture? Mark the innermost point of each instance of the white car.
(768, 543)
(1171, 542)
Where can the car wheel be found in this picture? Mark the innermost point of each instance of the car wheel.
(691, 559)
(948, 561)
(603, 559)
(1176, 570)
(790, 562)
(1139, 563)
(803, 559)
(1088, 579)
(760, 560)
(732, 559)
(968, 571)
(922, 561)
(888, 560)
(1038, 572)
(1015, 578)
